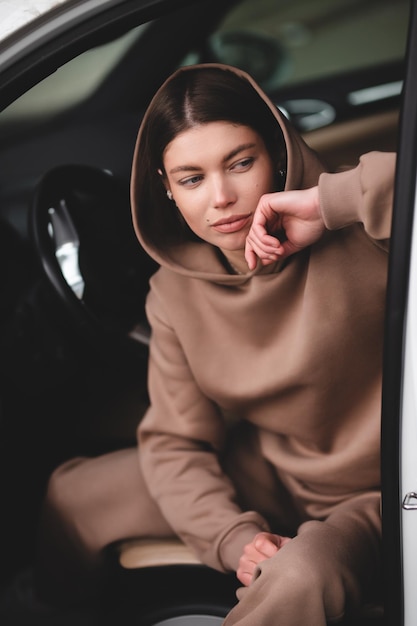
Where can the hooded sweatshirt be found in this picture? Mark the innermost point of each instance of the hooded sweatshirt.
(294, 348)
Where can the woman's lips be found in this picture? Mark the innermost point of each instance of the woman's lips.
(232, 224)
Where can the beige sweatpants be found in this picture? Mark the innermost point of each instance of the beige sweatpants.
(93, 502)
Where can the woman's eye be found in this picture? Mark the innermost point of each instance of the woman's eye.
(243, 164)
(191, 181)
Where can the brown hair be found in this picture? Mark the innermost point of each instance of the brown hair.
(194, 96)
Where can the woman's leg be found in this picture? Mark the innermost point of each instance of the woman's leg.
(321, 575)
(90, 503)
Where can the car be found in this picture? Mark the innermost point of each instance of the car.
(75, 79)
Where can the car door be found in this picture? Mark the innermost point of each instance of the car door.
(399, 412)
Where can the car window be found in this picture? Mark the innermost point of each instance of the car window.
(279, 42)
(286, 42)
(73, 82)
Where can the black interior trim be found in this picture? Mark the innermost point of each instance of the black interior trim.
(394, 339)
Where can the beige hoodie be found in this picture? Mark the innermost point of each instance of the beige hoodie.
(295, 349)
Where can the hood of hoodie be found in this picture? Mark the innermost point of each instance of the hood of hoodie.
(199, 259)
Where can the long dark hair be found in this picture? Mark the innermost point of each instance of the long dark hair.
(193, 96)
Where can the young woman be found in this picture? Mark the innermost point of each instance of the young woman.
(260, 448)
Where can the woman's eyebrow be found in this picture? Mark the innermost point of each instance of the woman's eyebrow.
(235, 151)
(184, 168)
(230, 155)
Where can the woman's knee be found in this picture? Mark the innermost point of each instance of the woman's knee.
(290, 588)
(309, 576)
(66, 490)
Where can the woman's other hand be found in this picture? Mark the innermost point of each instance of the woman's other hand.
(262, 547)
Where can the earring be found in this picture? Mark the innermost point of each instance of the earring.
(169, 194)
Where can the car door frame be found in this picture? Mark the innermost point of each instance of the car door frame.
(399, 414)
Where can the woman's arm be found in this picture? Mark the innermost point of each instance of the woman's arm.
(360, 195)
(180, 439)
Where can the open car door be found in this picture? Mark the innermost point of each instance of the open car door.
(399, 412)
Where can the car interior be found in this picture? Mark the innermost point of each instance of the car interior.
(74, 335)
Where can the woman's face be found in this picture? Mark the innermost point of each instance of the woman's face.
(217, 172)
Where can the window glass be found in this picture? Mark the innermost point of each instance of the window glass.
(279, 42)
(284, 42)
(72, 82)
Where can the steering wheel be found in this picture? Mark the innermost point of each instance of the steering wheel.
(81, 229)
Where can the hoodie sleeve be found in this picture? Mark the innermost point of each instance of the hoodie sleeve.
(179, 441)
(361, 195)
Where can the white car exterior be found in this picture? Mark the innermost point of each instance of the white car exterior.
(17, 13)
(408, 444)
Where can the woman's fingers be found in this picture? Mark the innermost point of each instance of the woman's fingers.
(283, 224)
(260, 245)
(264, 546)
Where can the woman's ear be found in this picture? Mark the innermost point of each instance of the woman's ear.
(165, 183)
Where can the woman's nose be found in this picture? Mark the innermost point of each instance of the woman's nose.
(223, 193)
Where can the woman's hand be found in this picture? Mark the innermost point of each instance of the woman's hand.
(262, 547)
(284, 222)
